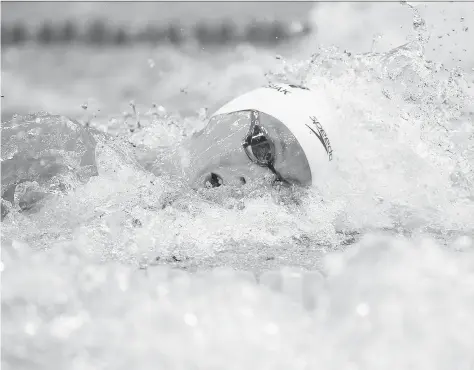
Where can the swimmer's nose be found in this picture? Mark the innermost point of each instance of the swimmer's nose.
(214, 180)
(227, 176)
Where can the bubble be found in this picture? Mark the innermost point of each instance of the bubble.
(271, 328)
(190, 319)
(363, 309)
(30, 328)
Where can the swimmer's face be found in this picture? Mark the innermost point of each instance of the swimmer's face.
(217, 156)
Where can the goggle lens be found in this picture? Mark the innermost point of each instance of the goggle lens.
(257, 145)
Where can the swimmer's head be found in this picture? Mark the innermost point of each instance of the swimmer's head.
(272, 131)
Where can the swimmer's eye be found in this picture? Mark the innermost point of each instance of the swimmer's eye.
(213, 181)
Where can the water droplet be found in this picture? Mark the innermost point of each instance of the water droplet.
(190, 319)
(271, 328)
(162, 290)
(30, 328)
(363, 309)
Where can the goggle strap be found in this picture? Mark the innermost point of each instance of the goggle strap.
(277, 174)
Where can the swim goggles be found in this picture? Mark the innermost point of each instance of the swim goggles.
(259, 147)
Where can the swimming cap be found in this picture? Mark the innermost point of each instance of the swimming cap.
(297, 108)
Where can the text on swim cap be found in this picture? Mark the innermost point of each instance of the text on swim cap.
(321, 135)
(284, 90)
(278, 88)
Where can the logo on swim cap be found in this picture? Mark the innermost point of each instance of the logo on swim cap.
(299, 87)
(321, 135)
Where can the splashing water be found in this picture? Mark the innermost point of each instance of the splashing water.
(372, 268)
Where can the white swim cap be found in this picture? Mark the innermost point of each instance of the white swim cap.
(297, 108)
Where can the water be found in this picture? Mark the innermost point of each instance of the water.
(373, 268)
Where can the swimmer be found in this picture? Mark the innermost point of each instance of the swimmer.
(273, 130)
